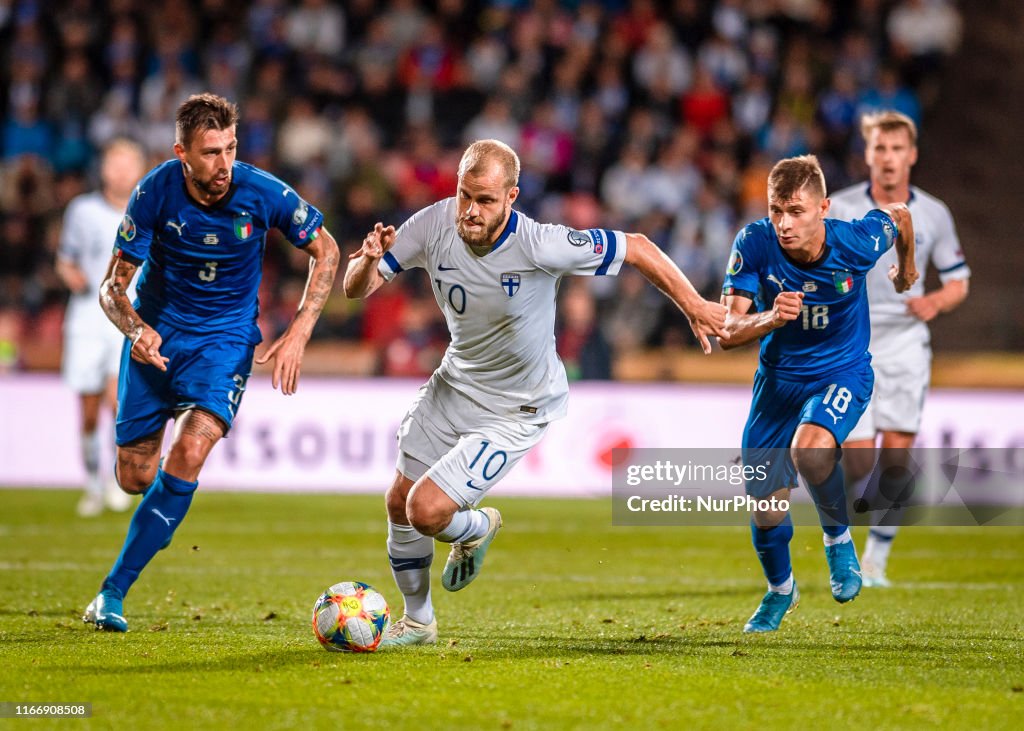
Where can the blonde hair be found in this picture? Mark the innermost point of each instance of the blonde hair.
(888, 121)
(792, 175)
(127, 144)
(478, 156)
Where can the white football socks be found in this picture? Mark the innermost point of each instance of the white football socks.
(786, 587)
(879, 543)
(411, 554)
(841, 538)
(466, 525)
(91, 460)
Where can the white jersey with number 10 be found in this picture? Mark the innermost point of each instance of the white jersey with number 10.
(500, 307)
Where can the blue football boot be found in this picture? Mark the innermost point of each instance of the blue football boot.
(843, 571)
(106, 611)
(773, 608)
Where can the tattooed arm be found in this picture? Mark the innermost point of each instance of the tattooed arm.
(287, 350)
(115, 303)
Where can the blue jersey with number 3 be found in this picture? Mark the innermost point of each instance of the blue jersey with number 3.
(833, 331)
(202, 265)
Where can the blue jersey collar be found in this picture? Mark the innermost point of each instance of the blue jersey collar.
(810, 264)
(217, 204)
(511, 226)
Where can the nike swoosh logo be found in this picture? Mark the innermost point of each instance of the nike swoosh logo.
(162, 517)
(443, 268)
(469, 484)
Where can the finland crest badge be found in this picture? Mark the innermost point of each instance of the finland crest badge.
(243, 226)
(510, 283)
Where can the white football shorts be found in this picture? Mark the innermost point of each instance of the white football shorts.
(901, 383)
(459, 444)
(91, 358)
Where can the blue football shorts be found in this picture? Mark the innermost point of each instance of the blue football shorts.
(205, 371)
(835, 402)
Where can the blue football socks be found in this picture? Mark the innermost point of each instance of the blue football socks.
(830, 501)
(772, 546)
(161, 511)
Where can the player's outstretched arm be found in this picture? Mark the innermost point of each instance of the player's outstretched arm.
(115, 303)
(362, 278)
(707, 319)
(287, 350)
(904, 273)
(742, 328)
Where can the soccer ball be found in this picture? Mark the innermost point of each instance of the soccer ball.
(350, 617)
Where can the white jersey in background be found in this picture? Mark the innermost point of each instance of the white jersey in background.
(86, 240)
(500, 308)
(92, 344)
(901, 343)
(935, 241)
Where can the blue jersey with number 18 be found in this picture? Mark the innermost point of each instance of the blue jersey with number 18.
(833, 330)
(202, 265)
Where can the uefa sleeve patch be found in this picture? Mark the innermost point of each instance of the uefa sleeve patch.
(890, 233)
(127, 229)
(735, 262)
(578, 238)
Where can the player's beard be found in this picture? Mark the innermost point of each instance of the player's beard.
(209, 187)
(482, 235)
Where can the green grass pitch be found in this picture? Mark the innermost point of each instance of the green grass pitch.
(573, 624)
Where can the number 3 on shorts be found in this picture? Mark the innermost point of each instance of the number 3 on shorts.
(489, 467)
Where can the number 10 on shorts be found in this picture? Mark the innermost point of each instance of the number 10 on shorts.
(489, 465)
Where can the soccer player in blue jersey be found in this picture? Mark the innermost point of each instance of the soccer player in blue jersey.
(196, 226)
(814, 379)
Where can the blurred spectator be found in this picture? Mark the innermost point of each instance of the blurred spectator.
(674, 180)
(797, 93)
(837, 109)
(922, 34)
(581, 344)
(494, 122)
(26, 132)
(405, 20)
(724, 61)
(632, 314)
(636, 23)
(316, 27)
(72, 98)
(416, 350)
(11, 327)
(783, 137)
(486, 59)
(546, 148)
(705, 103)
(161, 95)
(752, 105)
(662, 60)
(429, 61)
(889, 93)
(303, 135)
(623, 186)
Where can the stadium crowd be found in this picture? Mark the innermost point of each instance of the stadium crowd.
(661, 117)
